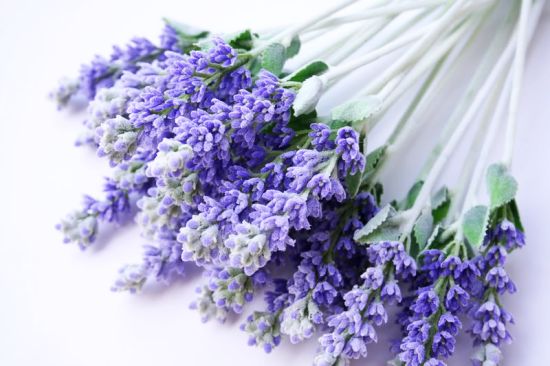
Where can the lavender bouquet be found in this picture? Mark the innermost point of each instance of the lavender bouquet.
(219, 154)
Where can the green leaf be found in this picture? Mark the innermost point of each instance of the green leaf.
(433, 236)
(382, 215)
(243, 40)
(474, 224)
(353, 182)
(516, 219)
(293, 48)
(408, 202)
(423, 229)
(373, 160)
(311, 69)
(302, 122)
(255, 66)
(501, 185)
(273, 58)
(377, 192)
(358, 110)
(386, 225)
(441, 202)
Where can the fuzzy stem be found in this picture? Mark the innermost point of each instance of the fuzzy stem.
(495, 48)
(420, 47)
(295, 30)
(340, 71)
(455, 138)
(475, 182)
(476, 158)
(353, 43)
(425, 63)
(401, 130)
(388, 10)
(327, 52)
(518, 67)
(422, 100)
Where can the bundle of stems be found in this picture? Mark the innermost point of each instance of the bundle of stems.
(221, 155)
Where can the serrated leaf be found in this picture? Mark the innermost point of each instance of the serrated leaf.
(387, 225)
(501, 185)
(353, 183)
(440, 197)
(516, 219)
(423, 229)
(474, 225)
(311, 69)
(293, 48)
(243, 40)
(441, 203)
(389, 231)
(433, 236)
(373, 160)
(273, 58)
(382, 215)
(408, 202)
(358, 110)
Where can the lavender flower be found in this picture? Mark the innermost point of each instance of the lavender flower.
(263, 330)
(210, 154)
(353, 329)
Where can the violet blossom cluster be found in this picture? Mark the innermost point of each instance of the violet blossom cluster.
(209, 160)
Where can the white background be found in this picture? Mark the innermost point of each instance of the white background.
(55, 303)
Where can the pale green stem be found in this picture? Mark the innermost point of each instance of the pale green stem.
(353, 43)
(388, 10)
(426, 63)
(289, 33)
(476, 158)
(518, 67)
(495, 48)
(450, 146)
(401, 130)
(473, 188)
(339, 71)
(431, 87)
(326, 52)
(418, 49)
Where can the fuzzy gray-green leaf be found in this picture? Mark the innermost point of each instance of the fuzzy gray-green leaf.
(474, 224)
(408, 202)
(311, 69)
(433, 236)
(382, 215)
(353, 183)
(441, 202)
(243, 40)
(273, 58)
(293, 48)
(373, 160)
(358, 110)
(423, 228)
(501, 185)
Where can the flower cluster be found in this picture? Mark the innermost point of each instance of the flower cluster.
(219, 156)
(451, 286)
(353, 329)
(206, 161)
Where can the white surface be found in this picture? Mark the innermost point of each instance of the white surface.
(55, 306)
